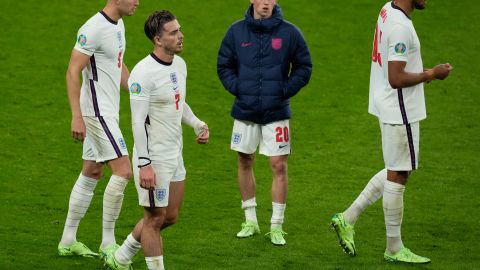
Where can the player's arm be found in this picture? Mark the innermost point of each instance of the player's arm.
(139, 116)
(301, 67)
(124, 78)
(227, 63)
(200, 128)
(399, 78)
(77, 63)
(400, 42)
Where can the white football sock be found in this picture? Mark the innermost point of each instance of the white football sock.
(112, 204)
(249, 207)
(155, 263)
(393, 211)
(370, 194)
(278, 211)
(127, 250)
(80, 198)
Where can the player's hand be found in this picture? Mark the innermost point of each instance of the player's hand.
(78, 128)
(442, 71)
(147, 177)
(203, 135)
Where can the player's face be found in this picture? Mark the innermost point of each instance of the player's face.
(172, 38)
(419, 4)
(128, 7)
(262, 9)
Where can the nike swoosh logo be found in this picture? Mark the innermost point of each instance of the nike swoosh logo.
(246, 44)
(282, 146)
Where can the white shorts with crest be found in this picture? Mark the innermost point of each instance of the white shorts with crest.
(165, 173)
(274, 138)
(104, 140)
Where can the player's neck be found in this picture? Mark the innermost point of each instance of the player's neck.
(405, 5)
(112, 12)
(164, 57)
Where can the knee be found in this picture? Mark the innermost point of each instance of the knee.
(155, 220)
(279, 167)
(93, 172)
(126, 173)
(245, 161)
(171, 219)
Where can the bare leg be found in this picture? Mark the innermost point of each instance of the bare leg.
(153, 220)
(246, 178)
(175, 200)
(280, 178)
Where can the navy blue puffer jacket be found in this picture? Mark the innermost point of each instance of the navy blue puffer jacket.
(263, 63)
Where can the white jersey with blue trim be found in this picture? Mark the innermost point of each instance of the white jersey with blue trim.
(104, 41)
(164, 86)
(395, 39)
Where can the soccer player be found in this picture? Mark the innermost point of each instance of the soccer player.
(397, 99)
(98, 55)
(157, 98)
(263, 61)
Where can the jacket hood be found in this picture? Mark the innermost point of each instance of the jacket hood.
(266, 25)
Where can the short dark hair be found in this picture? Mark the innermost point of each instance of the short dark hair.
(155, 22)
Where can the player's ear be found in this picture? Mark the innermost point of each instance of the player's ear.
(157, 40)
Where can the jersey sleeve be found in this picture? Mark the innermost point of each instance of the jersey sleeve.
(88, 39)
(140, 85)
(399, 43)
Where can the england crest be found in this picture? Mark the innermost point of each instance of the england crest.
(276, 43)
(236, 138)
(161, 194)
(173, 78)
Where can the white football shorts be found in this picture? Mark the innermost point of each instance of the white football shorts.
(165, 172)
(274, 138)
(104, 140)
(400, 145)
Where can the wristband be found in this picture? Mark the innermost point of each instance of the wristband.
(146, 162)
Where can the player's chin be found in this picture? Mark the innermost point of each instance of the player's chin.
(420, 5)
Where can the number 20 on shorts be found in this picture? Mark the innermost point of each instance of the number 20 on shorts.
(282, 134)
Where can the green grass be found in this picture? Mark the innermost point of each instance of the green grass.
(336, 143)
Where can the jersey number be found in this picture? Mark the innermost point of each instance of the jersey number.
(177, 99)
(119, 62)
(282, 134)
(376, 57)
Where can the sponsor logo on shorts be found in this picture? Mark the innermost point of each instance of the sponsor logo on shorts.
(236, 138)
(400, 48)
(82, 40)
(282, 146)
(135, 88)
(161, 194)
(121, 141)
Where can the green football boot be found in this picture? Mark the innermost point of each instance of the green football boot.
(76, 249)
(405, 256)
(276, 236)
(113, 264)
(345, 233)
(249, 228)
(104, 251)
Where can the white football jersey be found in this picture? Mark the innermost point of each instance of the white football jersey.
(395, 39)
(164, 86)
(104, 40)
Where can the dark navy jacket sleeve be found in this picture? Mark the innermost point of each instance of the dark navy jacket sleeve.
(301, 67)
(227, 63)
